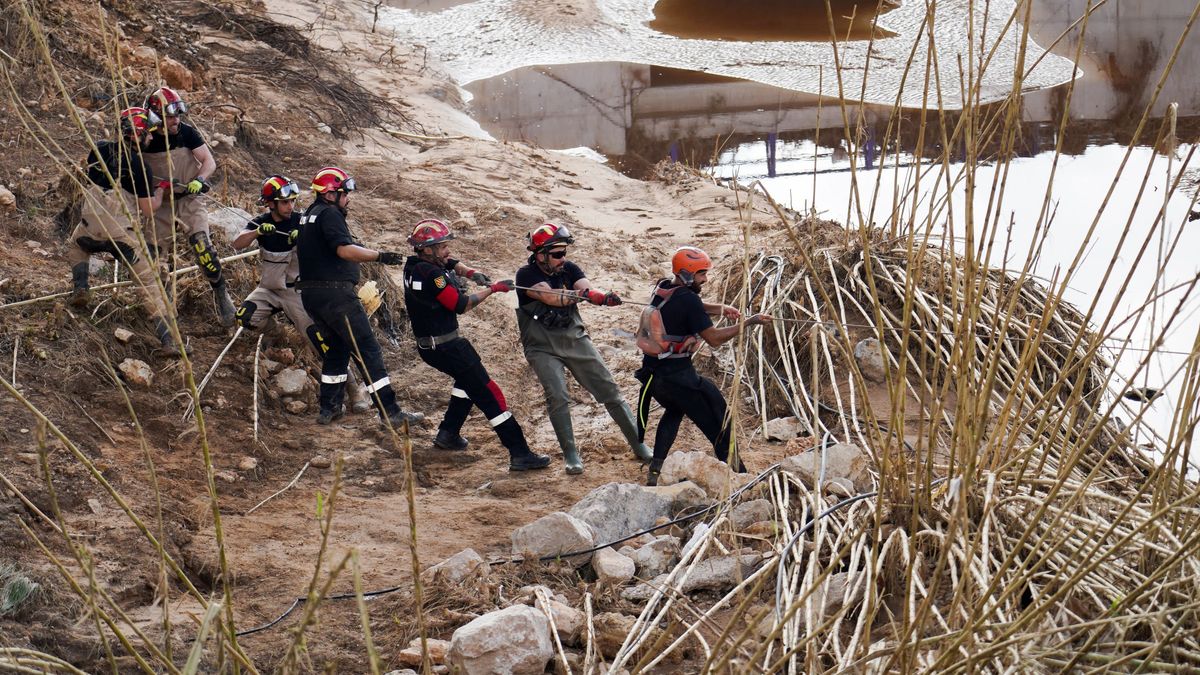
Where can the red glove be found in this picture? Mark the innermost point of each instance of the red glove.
(164, 185)
(502, 286)
(593, 296)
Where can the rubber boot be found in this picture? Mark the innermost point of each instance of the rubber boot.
(623, 416)
(226, 313)
(169, 346)
(654, 473)
(572, 460)
(80, 294)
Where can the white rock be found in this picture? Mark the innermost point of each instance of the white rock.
(685, 495)
(554, 534)
(271, 366)
(657, 557)
(871, 363)
(291, 382)
(137, 372)
(438, 651)
(513, 640)
(782, 428)
(568, 621)
(612, 568)
(122, 335)
(617, 510)
(714, 574)
(462, 565)
(753, 511)
(841, 461)
(8, 201)
(228, 220)
(324, 128)
(711, 474)
(248, 463)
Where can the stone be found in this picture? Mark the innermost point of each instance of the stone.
(513, 640)
(406, 671)
(95, 506)
(8, 201)
(612, 568)
(869, 355)
(842, 460)
(748, 513)
(458, 567)
(574, 663)
(291, 382)
(782, 428)
(568, 621)
(284, 355)
(553, 535)
(718, 573)
(438, 651)
(226, 476)
(137, 373)
(271, 367)
(617, 510)
(175, 74)
(296, 407)
(711, 474)
(123, 336)
(320, 462)
(248, 463)
(656, 557)
(217, 140)
(611, 630)
(684, 496)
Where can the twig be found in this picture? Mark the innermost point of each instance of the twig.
(285, 489)
(257, 351)
(93, 421)
(28, 504)
(200, 389)
(16, 346)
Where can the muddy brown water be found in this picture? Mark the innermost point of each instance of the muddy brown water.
(770, 20)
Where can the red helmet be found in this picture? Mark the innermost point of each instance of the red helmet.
(332, 179)
(688, 262)
(549, 235)
(138, 121)
(279, 188)
(430, 232)
(166, 103)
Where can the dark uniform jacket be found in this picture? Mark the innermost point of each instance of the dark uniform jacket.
(683, 315)
(432, 296)
(322, 230)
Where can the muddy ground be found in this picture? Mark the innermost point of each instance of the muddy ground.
(290, 90)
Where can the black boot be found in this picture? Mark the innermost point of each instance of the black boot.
(528, 461)
(654, 473)
(80, 294)
(328, 416)
(226, 314)
(448, 440)
(400, 418)
(169, 346)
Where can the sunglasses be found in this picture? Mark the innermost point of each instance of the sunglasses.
(558, 255)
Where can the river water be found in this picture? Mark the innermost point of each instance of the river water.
(616, 77)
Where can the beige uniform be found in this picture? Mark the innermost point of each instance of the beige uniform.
(179, 213)
(107, 226)
(275, 292)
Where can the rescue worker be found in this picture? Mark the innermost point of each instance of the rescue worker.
(179, 154)
(120, 195)
(434, 300)
(329, 256)
(555, 340)
(275, 231)
(669, 333)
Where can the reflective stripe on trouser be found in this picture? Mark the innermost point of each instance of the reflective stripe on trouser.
(685, 393)
(107, 227)
(589, 370)
(330, 309)
(459, 360)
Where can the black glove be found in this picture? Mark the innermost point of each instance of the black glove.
(481, 278)
(391, 258)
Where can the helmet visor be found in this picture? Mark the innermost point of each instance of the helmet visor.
(289, 191)
(349, 185)
(175, 109)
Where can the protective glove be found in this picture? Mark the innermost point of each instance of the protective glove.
(611, 299)
(197, 186)
(292, 236)
(391, 258)
(502, 286)
(480, 278)
(164, 185)
(593, 296)
(266, 228)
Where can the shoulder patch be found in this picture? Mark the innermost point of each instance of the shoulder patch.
(439, 281)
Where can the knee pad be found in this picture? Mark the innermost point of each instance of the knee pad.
(206, 258)
(314, 336)
(125, 253)
(92, 245)
(245, 314)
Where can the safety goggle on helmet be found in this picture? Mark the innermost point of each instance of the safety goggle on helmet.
(165, 102)
(549, 235)
(279, 188)
(333, 179)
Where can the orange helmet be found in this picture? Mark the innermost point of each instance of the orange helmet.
(688, 262)
(138, 121)
(332, 179)
(549, 235)
(430, 232)
(279, 188)
(166, 103)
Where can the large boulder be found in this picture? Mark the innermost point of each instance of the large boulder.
(617, 510)
(291, 382)
(568, 621)
(553, 535)
(513, 640)
(782, 428)
(685, 495)
(612, 568)
(710, 473)
(753, 511)
(871, 363)
(458, 567)
(842, 460)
